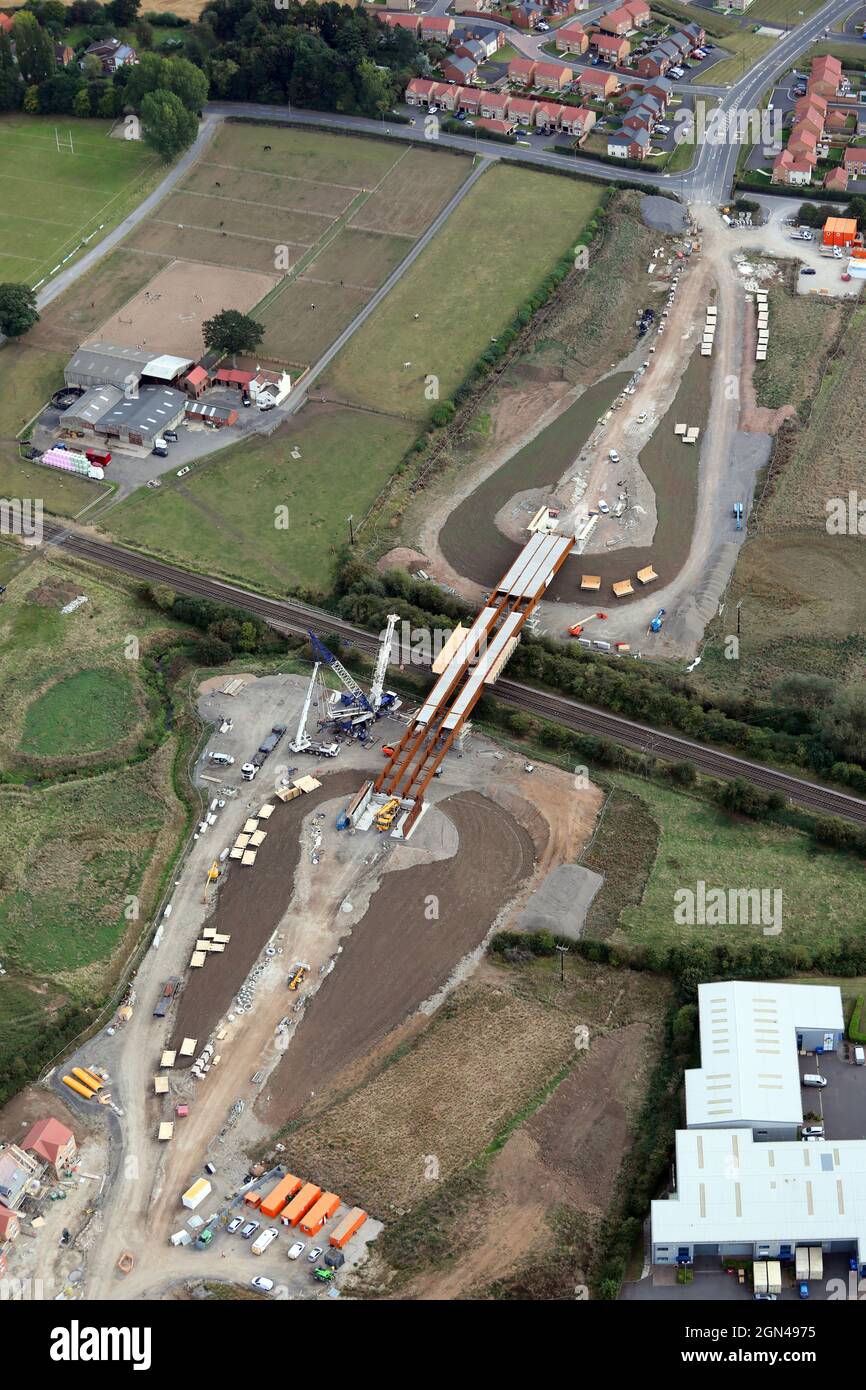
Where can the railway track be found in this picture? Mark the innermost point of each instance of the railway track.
(292, 617)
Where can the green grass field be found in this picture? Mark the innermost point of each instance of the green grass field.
(222, 518)
(742, 48)
(464, 288)
(782, 11)
(790, 376)
(698, 842)
(84, 713)
(50, 200)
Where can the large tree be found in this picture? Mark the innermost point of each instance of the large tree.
(176, 75)
(34, 48)
(18, 310)
(11, 86)
(123, 13)
(168, 127)
(232, 331)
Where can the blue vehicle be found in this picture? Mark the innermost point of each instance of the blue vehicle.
(804, 1290)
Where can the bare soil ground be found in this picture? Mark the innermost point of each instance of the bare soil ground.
(397, 956)
(168, 314)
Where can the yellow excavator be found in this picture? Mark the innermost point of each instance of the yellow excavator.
(385, 815)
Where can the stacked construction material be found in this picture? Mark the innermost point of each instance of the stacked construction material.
(763, 341)
(70, 461)
(709, 332)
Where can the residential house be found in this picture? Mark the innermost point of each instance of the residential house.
(470, 6)
(422, 92)
(63, 54)
(803, 142)
(521, 71)
(560, 9)
(499, 127)
(469, 100)
(51, 1141)
(572, 38)
(270, 387)
(495, 106)
(837, 180)
(617, 21)
(472, 50)
(854, 161)
(639, 11)
(790, 170)
(447, 96)
(460, 70)
(837, 122)
(599, 85)
(112, 54)
(681, 42)
(811, 116)
(577, 120)
(825, 77)
(628, 144)
(642, 114)
(522, 110)
(436, 28)
(10, 1226)
(402, 21)
(17, 1170)
(547, 115)
(611, 47)
(552, 77)
(660, 87)
(654, 64)
(489, 40)
(527, 15)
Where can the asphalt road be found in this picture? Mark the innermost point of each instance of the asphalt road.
(288, 616)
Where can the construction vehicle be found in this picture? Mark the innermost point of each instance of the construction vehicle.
(738, 515)
(581, 624)
(324, 1276)
(352, 711)
(384, 818)
(297, 977)
(302, 743)
(656, 622)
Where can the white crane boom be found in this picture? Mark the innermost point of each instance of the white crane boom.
(382, 661)
(301, 739)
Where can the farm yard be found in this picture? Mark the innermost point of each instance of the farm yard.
(467, 285)
(221, 519)
(51, 200)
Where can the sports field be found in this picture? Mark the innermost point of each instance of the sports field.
(465, 287)
(51, 201)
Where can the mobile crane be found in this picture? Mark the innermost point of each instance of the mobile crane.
(302, 743)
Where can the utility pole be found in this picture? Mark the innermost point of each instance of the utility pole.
(351, 529)
(563, 952)
(739, 606)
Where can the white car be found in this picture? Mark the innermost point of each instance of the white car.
(154, 482)
(260, 1282)
(603, 507)
(314, 1253)
(297, 1249)
(234, 1225)
(431, 110)
(182, 472)
(613, 455)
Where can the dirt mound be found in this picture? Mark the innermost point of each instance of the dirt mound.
(53, 593)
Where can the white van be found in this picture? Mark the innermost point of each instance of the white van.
(261, 1242)
(859, 1056)
(814, 1080)
(223, 759)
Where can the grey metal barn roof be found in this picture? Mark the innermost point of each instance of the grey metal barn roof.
(153, 409)
(111, 365)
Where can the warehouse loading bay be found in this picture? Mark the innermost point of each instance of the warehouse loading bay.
(325, 952)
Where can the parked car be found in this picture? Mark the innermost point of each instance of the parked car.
(246, 401)
(234, 1225)
(182, 472)
(613, 455)
(543, 27)
(154, 482)
(260, 1282)
(250, 1229)
(170, 435)
(297, 1249)
(432, 110)
(807, 270)
(461, 115)
(810, 1131)
(314, 1253)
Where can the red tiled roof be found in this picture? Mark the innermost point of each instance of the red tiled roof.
(837, 178)
(7, 1218)
(197, 376)
(46, 1138)
(442, 24)
(234, 376)
(493, 123)
(521, 107)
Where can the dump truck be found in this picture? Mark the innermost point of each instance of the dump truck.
(816, 1262)
(351, 1223)
(274, 1201)
(319, 1213)
(165, 998)
(801, 1262)
(195, 1195)
(300, 1205)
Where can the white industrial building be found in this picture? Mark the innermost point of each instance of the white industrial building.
(746, 1184)
(751, 1034)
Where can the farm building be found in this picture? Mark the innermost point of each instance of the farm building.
(109, 414)
(196, 382)
(270, 386)
(103, 364)
(166, 369)
(216, 416)
(232, 377)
